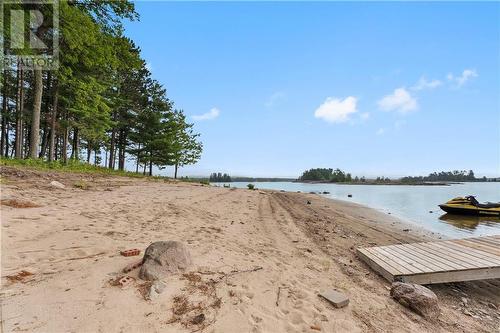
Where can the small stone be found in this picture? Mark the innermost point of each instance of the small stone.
(464, 301)
(155, 290)
(56, 184)
(338, 299)
(198, 319)
(308, 202)
(416, 297)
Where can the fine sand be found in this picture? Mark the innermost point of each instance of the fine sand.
(260, 260)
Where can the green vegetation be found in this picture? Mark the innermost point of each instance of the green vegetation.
(253, 179)
(445, 176)
(70, 166)
(220, 178)
(326, 175)
(101, 105)
(251, 186)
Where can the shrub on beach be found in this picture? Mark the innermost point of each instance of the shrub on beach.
(251, 186)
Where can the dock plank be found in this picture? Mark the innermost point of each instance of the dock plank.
(436, 262)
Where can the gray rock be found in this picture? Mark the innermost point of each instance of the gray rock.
(338, 299)
(155, 290)
(56, 184)
(164, 258)
(416, 297)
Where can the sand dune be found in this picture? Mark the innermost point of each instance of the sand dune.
(71, 245)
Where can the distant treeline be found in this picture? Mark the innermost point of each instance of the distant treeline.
(447, 176)
(220, 178)
(326, 175)
(252, 179)
(339, 176)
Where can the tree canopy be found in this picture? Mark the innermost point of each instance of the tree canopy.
(100, 102)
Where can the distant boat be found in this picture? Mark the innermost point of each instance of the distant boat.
(470, 206)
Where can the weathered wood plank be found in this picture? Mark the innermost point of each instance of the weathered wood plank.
(405, 268)
(445, 264)
(471, 252)
(376, 265)
(399, 269)
(453, 276)
(406, 252)
(448, 255)
(409, 261)
(437, 262)
(479, 246)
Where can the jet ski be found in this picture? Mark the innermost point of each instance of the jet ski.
(470, 206)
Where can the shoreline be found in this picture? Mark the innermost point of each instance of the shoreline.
(71, 242)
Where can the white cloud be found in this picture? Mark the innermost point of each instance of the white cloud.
(364, 116)
(424, 84)
(466, 75)
(275, 99)
(212, 114)
(380, 131)
(400, 100)
(336, 110)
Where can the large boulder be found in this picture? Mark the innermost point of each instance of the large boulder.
(416, 297)
(164, 258)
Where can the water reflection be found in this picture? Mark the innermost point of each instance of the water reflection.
(469, 222)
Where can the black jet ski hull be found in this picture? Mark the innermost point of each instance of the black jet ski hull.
(469, 211)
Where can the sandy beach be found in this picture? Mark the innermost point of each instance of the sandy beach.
(260, 260)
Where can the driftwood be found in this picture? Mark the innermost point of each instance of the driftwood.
(278, 297)
(235, 272)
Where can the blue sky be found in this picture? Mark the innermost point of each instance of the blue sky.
(372, 88)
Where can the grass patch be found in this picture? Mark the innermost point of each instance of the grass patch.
(81, 184)
(70, 166)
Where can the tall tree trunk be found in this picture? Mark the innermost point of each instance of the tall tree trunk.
(7, 140)
(95, 156)
(45, 141)
(64, 150)
(175, 172)
(75, 145)
(144, 169)
(112, 145)
(53, 121)
(44, 117)
(137, 159)
(19, 113)
(121, 149)
(151, 163)
(37, 105)
(89, 151)
(4, 114)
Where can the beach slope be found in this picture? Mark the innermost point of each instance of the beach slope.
(260, 260)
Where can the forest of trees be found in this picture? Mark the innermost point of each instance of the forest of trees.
(100, 106)
(447, 176)
(326, 175)
(218, 177)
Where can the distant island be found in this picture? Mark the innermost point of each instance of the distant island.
(329, 175)
(218, 177)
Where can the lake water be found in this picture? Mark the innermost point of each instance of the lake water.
(410, 203)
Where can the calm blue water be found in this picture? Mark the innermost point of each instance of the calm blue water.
(410, 203)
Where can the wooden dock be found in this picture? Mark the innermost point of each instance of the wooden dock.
(437, 262)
